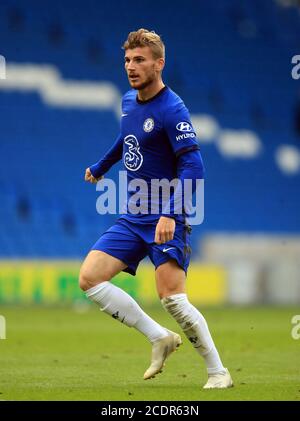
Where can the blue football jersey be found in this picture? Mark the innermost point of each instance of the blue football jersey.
(154, 133)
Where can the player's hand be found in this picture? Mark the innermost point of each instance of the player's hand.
(165, 229)
(89, 177)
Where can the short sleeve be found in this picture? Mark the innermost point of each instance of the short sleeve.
(179, 129)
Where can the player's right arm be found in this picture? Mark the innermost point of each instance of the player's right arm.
(95, 172)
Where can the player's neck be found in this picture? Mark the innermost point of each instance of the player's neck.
(150, 91)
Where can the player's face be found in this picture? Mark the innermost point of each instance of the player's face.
(142, 69)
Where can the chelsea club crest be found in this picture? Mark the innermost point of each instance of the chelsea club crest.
(148, 125)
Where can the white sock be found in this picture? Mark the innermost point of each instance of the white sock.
(121, 306)
(195, 328)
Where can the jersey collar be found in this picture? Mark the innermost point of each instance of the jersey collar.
(152, 98)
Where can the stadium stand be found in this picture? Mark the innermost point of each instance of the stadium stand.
(234, 76)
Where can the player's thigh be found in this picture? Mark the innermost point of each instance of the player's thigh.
(170, 279)
(98, 267)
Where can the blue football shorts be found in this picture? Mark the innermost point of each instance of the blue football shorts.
(131, 243)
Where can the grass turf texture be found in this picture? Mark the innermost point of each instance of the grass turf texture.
(60, 354)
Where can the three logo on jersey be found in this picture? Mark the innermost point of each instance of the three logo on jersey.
(133, 158)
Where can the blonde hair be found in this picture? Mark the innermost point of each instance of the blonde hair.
(144, 38)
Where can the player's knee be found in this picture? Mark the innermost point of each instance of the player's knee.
(170, 289)
(89, 278)
(84, 280)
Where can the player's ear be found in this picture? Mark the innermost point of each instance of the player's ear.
(160, 64)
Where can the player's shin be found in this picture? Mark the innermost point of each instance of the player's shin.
(195, 328)
(121, 306)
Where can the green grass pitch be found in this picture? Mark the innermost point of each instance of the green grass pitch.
(60, 354)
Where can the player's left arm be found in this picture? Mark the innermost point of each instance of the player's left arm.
(189, 166)
(183, 140)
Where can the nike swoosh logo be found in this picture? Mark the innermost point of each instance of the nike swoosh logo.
(164, 250)
(124, 115)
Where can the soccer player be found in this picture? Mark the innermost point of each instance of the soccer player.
(156, 141)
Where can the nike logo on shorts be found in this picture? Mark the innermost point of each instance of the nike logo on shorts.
(164, 250)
